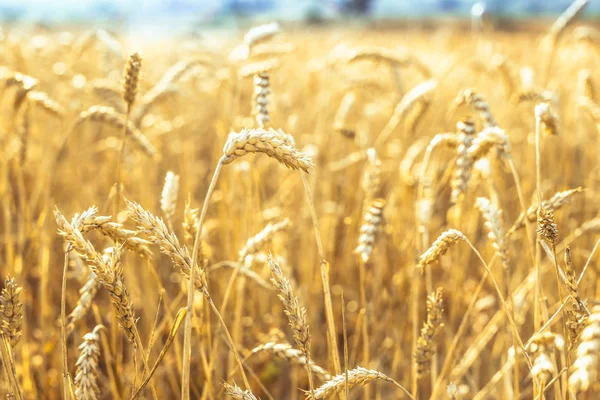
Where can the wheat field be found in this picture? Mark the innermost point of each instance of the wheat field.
(299, 212)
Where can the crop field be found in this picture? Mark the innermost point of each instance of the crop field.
(299, 212)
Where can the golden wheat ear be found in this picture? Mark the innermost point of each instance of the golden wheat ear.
(131, 79)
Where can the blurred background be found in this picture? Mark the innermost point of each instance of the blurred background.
(227, 12)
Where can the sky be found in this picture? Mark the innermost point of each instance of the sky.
(142, 10)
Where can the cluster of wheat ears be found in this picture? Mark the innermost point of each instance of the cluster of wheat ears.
(165, 230)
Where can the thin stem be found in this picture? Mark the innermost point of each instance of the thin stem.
(502, 300)
(187, 336)
(309, 372)
(365, 322)
(9, 365)
(414, 298)
(324, 265)
(538, 180)
(564, 314)
(63, 324)
(118, 176)
(515, 174)
(587, 263)
(454, 345)
(410, 396)
(313, 214)
(140, 345)
(229, 339)
(345, 332)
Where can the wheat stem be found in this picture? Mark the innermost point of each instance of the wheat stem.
(324, 265)
(187, 336)
(502, 300)
(63, 324)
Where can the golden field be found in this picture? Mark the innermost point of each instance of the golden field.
(361, 197)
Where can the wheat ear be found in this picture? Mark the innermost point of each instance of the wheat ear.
(293, 356)
(46, 103)
(110, 116)
(267, 141)
(464, 163)
(477, 102)
(547, 119)
(11, 311)
(555, 203)
(541, 346)
(358, 376)
(578, 314)
(440, 246)
(109, 274)
(369, 230)
(168, 198)
(295, 313)
(587, 361)
(168, 243)
(131, 79)
(165, 86)
(426, 341)
(258, 241)
(494, 225)
(261, 99)
(236, 393)
(86, 386)
(11, 317)
(260, 34)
